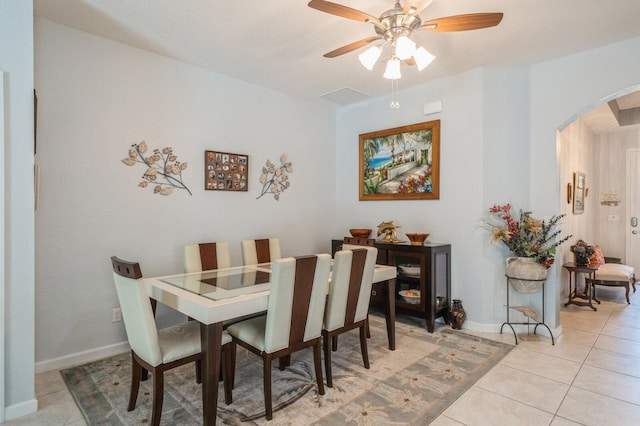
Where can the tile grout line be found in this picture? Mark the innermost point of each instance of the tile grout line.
(583, 363)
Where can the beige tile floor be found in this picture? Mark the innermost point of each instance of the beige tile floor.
(590, 377)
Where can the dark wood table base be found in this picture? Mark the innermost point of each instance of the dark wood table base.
(211, 342)
(586, 299)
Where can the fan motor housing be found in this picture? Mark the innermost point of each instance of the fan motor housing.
(396, 24)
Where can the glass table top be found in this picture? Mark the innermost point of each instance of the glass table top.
(224, 283)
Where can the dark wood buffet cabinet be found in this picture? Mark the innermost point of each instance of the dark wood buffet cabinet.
(433, 279)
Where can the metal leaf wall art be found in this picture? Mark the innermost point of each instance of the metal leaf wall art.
(275, 180)
(163, 170)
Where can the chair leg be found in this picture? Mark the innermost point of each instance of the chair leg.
(626, 287)
(317, 354)
(228, 371)
(136, 372)
(266, 377)
(158, 395)
(198, 371)
(368, 330)
(334, 343)
(233, 350)
(363, 344)
(327, 358)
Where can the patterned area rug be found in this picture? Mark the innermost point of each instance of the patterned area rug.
(410, 386)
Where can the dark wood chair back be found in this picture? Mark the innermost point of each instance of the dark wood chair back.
(125, 268)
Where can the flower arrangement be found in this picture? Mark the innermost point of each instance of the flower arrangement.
(524, 235)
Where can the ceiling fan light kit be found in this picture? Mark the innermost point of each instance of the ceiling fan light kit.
(369, 57)
(423, 58)
(392, 72)
(396, 27)
(405, 47)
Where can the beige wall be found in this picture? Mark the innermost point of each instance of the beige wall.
(610, 152)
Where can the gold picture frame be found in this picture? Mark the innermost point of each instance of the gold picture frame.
(402, 163)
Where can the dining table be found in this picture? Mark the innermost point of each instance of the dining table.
(212, 297)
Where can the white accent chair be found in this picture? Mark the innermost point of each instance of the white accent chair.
(291, 324)
(206, 256)
(260, 251)
(348, 301)
(158, 350)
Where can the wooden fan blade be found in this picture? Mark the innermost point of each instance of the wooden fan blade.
(472, 21)
(411, 62)
(340, 10)
(414, 7)
(350, 47)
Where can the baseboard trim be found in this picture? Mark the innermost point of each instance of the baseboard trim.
(81, 357)
(21, 409)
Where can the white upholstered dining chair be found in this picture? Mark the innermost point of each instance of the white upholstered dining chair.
(159, 350)
(206, 256)
(291, 323)
(348, 301)
(260, 251)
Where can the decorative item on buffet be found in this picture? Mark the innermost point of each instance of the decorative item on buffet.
(410, 270)
(360, 233)
(417, 239)
(410, 296)
(389, 231)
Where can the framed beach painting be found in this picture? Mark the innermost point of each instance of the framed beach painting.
(579, 192)
(402, 163)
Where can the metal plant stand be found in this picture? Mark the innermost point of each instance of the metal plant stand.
(528, 323)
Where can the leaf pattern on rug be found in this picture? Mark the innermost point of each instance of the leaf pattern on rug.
(406, 401)
(410, 386)
(365, 414)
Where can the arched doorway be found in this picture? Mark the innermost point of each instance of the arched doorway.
(596, 142)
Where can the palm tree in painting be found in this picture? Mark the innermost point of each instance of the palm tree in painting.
(370, 150)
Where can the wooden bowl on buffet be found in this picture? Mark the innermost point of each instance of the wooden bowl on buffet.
(417, 239)
(360, 233)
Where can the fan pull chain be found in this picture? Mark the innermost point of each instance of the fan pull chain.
(394, 94)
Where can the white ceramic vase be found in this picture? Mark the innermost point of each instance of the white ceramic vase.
(525, 274)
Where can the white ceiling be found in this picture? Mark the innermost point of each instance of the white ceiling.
(602, 118)
(279, 43)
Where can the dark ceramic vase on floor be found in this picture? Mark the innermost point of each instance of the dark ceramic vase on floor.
(457, 314)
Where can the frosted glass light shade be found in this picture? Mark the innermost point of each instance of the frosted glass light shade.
(422, 58)
(369, 57)
(405, 48)
(392, 72)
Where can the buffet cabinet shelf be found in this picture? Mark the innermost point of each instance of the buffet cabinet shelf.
(426, 268)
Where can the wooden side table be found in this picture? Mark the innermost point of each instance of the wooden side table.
(585, 297)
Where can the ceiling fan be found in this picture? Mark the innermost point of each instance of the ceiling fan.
(396, 27)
